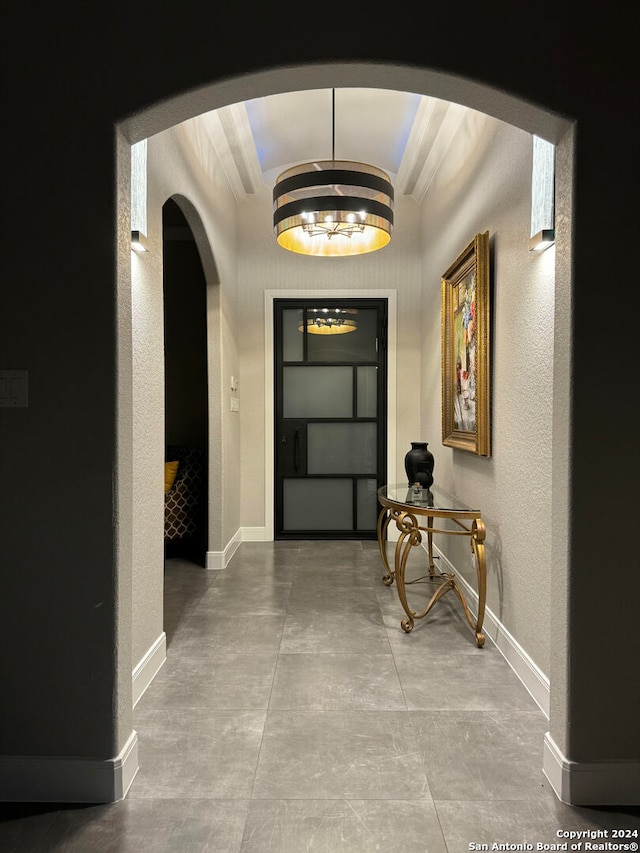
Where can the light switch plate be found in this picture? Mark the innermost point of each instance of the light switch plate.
(14, 389)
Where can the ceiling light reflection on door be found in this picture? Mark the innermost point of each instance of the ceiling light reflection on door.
(330, 321)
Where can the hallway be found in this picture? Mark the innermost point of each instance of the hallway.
(294, 714)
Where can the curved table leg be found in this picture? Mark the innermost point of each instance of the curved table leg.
(432, 565)
(442, 589)
(383, 522)
(478, 534)
(403, 548)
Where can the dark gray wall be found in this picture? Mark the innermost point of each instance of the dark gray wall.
(71, 79)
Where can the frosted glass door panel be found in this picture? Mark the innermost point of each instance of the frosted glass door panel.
(341, 448)
(367, 504)
(367, 392)
(292, 337)
(317, 392)
(317, 504)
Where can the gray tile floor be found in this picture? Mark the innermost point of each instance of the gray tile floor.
(293, 714)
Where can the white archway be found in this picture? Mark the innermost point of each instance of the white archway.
(498, 104)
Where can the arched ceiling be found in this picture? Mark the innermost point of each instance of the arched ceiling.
(404, 133)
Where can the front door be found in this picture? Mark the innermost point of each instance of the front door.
(330, 417)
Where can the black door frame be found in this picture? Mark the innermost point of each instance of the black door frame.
(279, 304)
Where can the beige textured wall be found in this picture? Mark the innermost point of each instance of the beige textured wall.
(174, 171)
(513, 487)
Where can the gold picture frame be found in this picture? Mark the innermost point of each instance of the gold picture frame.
(465, 350)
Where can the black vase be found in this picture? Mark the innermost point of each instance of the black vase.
(418, 463)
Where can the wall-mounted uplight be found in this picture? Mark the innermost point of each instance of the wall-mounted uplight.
(542, 234)
(542, 240)
(139, 242)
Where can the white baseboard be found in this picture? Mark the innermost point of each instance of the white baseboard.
(44, 779)
(595, 783)
(148, 667)
(532, 677)
(256, 534)
(217, 560)
(220, 559)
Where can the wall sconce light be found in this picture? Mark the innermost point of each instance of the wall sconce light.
(542, 240)
(542, 233)
(139, 242)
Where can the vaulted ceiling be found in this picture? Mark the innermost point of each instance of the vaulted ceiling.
(405, 134)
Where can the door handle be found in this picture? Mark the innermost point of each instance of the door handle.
(296, 451)
(283, 440)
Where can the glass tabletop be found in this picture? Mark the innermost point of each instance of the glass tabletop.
(432, 498)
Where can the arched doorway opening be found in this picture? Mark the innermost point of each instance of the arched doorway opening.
(186, 393)
(528, 118)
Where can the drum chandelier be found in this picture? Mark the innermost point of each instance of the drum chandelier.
(333, 208)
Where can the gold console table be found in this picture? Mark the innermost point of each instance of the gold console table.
(413, 518)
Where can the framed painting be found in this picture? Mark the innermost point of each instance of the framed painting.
(465, 350)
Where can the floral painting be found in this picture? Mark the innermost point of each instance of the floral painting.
(465, 343)
(464, 326)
